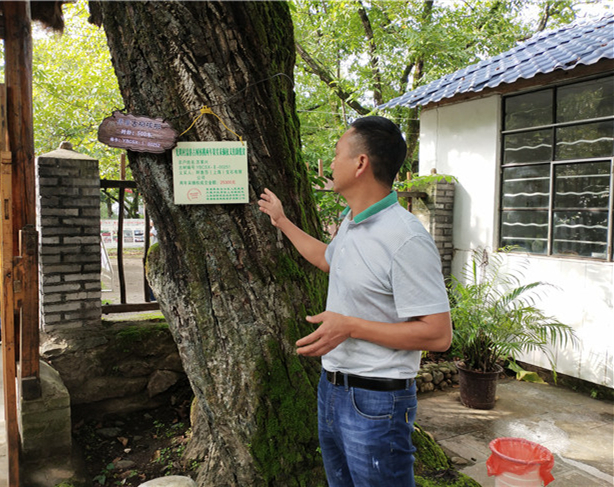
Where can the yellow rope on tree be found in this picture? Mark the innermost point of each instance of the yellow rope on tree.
(206, 110)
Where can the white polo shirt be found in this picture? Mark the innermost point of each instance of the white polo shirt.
(384, 266)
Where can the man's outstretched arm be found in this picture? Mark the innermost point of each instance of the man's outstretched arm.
(310, 248)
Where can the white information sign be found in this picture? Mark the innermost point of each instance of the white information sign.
(210, 173)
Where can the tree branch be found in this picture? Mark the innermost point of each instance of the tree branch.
(491, 14)
(426, 18)
(331, 82)
(550, 9)
(405, 78)
(373, 58)
(543, 21)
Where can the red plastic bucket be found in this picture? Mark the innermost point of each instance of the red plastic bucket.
(519, 462)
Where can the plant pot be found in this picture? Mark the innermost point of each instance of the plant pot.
(478, 389)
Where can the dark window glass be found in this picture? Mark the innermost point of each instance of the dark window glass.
(582, 186)
(530, 110)
(582, 101)
(580, 233)
(534, 146)
(526, 186)
(571, 214)
(527, 230)
(585, 141)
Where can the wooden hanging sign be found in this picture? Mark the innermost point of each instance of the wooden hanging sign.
(140, 134)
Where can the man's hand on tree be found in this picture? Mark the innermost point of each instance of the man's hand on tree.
(269, 203)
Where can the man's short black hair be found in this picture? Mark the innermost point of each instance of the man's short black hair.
(383, 142)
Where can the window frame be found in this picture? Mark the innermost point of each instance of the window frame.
(553, 163)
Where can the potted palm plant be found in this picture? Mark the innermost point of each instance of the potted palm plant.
(495, 318)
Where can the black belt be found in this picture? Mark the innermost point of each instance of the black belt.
(371, 383)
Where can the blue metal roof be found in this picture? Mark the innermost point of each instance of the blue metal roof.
(564, 48)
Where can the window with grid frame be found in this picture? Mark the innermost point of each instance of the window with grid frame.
(556, 170)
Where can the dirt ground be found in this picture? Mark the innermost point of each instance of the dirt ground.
(131, 449)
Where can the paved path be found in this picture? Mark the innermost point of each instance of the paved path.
(578, 430)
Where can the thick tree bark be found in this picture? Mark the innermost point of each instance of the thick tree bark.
(234, 291)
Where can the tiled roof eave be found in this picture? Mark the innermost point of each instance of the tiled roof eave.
(489, 90)
(489, 84)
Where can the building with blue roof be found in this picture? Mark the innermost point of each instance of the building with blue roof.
(529, 135)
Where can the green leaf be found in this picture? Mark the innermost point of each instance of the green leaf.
(101, 479)
(527, 376)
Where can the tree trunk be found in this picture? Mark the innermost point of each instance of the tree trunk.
(234, 291)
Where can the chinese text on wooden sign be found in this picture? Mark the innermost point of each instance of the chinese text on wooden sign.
(139, 134)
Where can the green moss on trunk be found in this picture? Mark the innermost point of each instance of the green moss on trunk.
(433, 467)
(284, 445)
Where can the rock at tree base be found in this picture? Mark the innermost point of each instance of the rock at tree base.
(170, 481)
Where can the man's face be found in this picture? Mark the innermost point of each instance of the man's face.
(345, 162)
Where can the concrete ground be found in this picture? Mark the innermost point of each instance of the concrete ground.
(578, 430)
(133, 273)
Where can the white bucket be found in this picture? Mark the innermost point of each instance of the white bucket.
(529, 479)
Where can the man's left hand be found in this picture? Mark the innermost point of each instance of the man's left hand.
(334, 329)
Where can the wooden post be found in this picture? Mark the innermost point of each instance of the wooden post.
(18, 75)
(122, 166)
(18, 206)
(29, 376)
(120, 247)
(146, 289)
(120, 231)
(8, 324)
(7, 305)
(409, 200)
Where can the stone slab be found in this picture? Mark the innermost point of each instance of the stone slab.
(170, 481)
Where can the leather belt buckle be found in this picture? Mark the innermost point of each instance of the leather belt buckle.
(371, 383)
(335, 378)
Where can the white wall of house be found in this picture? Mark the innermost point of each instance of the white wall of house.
(463, 140)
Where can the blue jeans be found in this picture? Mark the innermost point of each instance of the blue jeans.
(365, 436)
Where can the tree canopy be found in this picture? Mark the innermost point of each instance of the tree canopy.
(72, 97)
(355, 55)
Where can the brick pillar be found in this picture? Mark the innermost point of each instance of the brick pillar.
(68, 211)
(436, 214)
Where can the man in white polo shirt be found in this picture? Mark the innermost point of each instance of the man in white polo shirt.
(386, 302)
